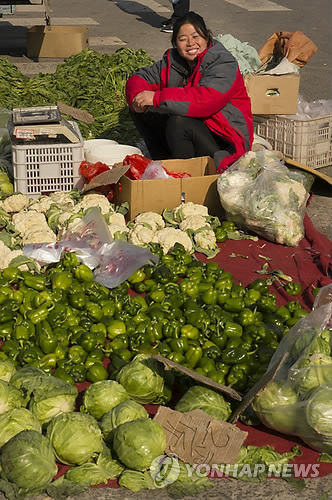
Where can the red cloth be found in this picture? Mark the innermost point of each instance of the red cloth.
(309, 263)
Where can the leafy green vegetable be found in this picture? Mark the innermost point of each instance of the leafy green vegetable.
(97, 472)
(202, 398)
(90, 81)
(63, 488)
(75, 437)
(52, 397)
(10, 397)
(14, 421)
(325, 457)
(139, 442)
(136, 481)
(28, 461)
(142, 378)
(312, 372)
(7, 369)
(102, 396)
(124, 412)
(276, 407)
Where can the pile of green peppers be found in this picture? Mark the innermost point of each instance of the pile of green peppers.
(190, 312)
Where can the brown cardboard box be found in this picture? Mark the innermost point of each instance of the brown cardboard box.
(59, 41)
(285, 100)
(157, 194)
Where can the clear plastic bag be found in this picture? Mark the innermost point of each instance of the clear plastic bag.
(154, 170)
(113, 261)
(299, 399)
(119, 260)
(259, 193)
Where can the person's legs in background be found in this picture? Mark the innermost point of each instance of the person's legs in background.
(190, 138)
(151, 126)
(180, 8)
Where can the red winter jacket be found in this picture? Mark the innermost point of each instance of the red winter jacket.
(214, 91)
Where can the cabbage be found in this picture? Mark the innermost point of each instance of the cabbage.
(142, 378)
(14, 421)
(100, 471)
(136, 481)
(124, 412)
(309, 342)
(75, 437)
(202, 398)
(101, 397)
(319, 411)
(139, 442)
(276, 407)
(10, 397)
(53, 397)
(27, 379)
(7, 370)
(28, 461)
(312, 372)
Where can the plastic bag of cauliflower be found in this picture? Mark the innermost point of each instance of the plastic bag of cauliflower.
(259, 193)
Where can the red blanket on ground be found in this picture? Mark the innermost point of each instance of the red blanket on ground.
(309, 264)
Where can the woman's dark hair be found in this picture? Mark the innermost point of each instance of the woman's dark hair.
(198, 23)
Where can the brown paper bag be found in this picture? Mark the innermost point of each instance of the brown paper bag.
(295, 46)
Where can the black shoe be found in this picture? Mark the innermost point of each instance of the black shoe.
(166, 22)
(167, 28)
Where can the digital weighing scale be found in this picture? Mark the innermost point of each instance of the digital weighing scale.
(41, 124)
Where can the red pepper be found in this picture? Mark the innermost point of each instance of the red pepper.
(90, 170)
(137, 163)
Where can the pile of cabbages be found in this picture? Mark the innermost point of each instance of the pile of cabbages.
(299, 399)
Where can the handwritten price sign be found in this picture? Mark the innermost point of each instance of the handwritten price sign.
(196, 438)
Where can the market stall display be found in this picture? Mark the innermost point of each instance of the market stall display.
(222, 298)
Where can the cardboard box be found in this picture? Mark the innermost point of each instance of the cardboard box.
(59, 41)
(157, 194)
(273, 94)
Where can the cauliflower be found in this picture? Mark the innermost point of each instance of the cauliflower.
(62, 200)
(205, 239)
(290, 192)
(193, 222)
(187, 209)
(23, 220)
(64, 217)
(15, 203)
(118, 228)
(94, 200)
(5, 253)
(117, 219)
(152, 219)
(42, 236)
(140, 235)
(168, 236)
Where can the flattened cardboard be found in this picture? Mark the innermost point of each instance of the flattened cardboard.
(58, 42)
(257, 388)
(311, 170)
(110, 177)
(196, 376)
(157, 194)
(285, 103)
(197, 438)
(76, 113)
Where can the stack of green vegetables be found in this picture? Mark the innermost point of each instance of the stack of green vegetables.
(65, 323)
(89, 80)
(111, 436)
(299, 400)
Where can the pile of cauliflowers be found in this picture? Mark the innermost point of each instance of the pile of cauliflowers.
(24, 221)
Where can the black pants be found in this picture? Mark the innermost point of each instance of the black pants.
(181, 8)
(173, 136)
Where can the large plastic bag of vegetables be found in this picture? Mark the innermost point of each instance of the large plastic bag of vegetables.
(260, 193)
(299, 399)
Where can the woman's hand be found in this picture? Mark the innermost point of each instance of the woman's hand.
(142, 100)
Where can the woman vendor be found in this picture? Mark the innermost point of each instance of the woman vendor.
(193, 102)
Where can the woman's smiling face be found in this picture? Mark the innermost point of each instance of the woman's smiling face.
(189, 43)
